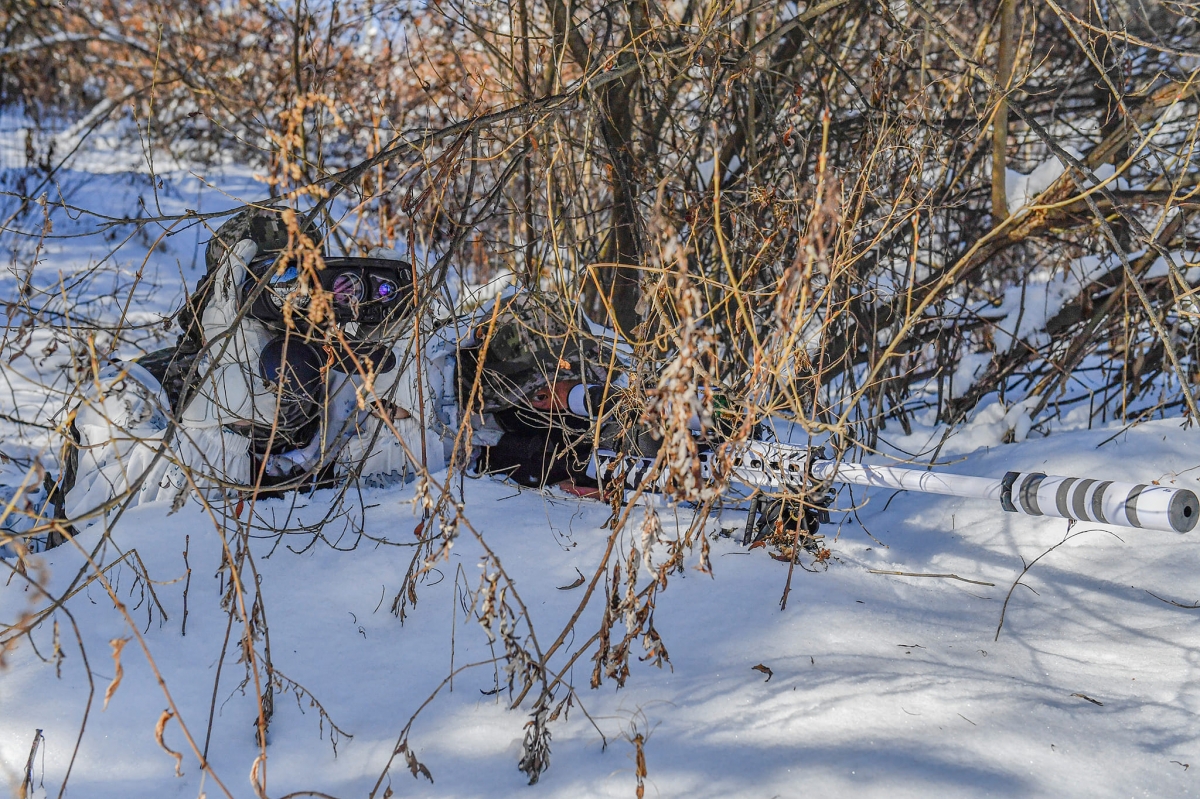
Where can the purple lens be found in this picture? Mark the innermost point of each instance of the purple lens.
(384, 290)
(347, 289)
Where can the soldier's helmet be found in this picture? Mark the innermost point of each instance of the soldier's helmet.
(263, 225)
(534, 340)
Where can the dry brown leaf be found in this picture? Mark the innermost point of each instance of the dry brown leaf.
(575, 584)
(765, 670)
(159, 729)
(117, 645)
(416, 766)
(254, 780)
(639, 744)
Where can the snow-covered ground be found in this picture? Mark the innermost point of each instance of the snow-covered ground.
(881, 685)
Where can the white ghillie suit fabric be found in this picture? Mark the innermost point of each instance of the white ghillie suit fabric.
(121, 422)
(124, 416)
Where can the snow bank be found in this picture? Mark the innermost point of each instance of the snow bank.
(882, 684)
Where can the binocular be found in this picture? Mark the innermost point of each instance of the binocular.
(369, 291)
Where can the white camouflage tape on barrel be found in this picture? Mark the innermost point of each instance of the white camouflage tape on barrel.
(771, 465)
(1149, 507)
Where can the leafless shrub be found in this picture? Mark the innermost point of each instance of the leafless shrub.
(786, 212)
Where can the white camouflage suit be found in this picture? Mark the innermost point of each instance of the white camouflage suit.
(123, 418)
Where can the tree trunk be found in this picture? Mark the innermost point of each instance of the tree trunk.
(1008, 46)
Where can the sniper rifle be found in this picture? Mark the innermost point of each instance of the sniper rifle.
(808, 472)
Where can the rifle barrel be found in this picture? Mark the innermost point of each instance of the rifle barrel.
(1149, 507)
(896, 477)
(787, 467)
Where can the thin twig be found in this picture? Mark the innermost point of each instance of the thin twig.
(918, 574)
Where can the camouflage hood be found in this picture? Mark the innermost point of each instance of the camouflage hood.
(528, 342)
